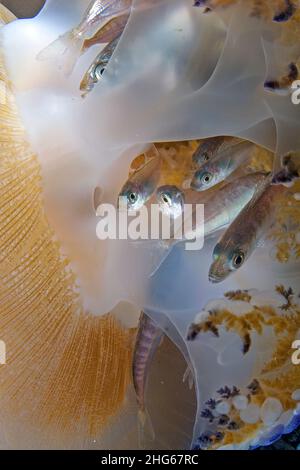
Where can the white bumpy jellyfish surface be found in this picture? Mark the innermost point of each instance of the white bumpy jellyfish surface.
(181, 71)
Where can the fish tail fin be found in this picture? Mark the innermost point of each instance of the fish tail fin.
(146, 432)
(65, 51)
(289, 173)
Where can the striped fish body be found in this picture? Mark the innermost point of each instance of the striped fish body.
(147, 341)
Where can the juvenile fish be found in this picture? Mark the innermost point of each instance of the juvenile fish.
(97, 68)
(210, 148)
(143, 183)
(219, 168)
(171, 200)
(207, 150)
(107, 33)
(220, 209)
(223, 206)
(67, 48)
(244, 234)
(148, 338)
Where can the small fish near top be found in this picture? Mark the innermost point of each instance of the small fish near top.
(67, 49)
(143, 183)
(107, 33)
(220, 167)
(97, 68)
(249, 228)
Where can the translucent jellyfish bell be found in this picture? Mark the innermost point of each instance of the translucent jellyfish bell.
(177, 74)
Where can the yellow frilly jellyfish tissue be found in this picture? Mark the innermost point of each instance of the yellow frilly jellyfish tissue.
(70, 302)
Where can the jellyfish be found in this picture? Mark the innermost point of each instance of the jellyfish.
(70, 302)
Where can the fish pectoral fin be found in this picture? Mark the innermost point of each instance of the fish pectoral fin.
(146, 432)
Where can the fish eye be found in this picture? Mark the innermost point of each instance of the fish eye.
(166, 199)
(98, 72)
(132, 197)
(238, 260)
(206, 178)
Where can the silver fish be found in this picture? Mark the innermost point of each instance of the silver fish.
(209, 148)
(148, 338)
(248, 229)
(242, 237)
(170, 200)
(142, 184)
(67, 48)
(220, 209)
(97, 68)
(219, 168)
(223, 206)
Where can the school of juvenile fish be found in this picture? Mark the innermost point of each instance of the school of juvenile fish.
(220, 167)
(244, 206)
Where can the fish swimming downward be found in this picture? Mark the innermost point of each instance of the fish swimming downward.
(222, 165)
(249, 228)
(143, 183)
(97, 68)
(148, 339)
(67, 48)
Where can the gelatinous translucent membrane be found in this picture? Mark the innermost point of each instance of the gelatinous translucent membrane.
(176, 75)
